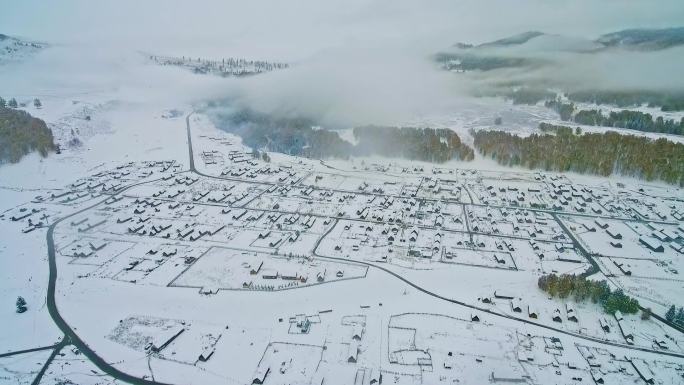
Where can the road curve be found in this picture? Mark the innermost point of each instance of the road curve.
(190, 153)
(112, 371)
(485, 310)
(438, 296)
(73, 338)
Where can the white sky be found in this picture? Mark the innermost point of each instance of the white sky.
(295, 29)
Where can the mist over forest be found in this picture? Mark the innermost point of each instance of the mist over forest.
(371, 63)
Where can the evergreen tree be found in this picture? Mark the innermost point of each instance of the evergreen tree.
(3, 103)
(565, 286)
(564, 110)
(37, 103)
(670, 315)
(543, 282)
(21, 305)
(12, 103)
(553, 285)
(583, 289)
(679, 318)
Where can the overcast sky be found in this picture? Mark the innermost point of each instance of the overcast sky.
(295, 29)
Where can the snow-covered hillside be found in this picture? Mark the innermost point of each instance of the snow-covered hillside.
(13, 49)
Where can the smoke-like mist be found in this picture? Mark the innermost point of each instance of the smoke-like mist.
(355, 84)
(391, 84)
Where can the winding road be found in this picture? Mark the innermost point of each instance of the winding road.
(485, 310)
(72, 338)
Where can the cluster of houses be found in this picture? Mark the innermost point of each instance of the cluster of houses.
(605, 367)
(27, 213)
(515, 197)
(245, 165)
(615, 235)
(652, 236)
(260, 270)
(112, 180)
(87, 223)
(87, 249)
(558, 195)
(648, 210)
(583, 198)
(517, 305)
(526, 223)
(660, 235)
(567, 313)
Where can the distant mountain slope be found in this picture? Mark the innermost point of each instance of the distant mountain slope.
(235, 67)
(528, 49)
(518, 39)
(638, 39)
(13, 49)
(539, 65)
(469, 62)
(646, 39)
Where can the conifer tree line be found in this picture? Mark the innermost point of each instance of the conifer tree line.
(559, 148)
(21, 133)
(304, 137)
(603, 154)
(666, 100)
(633, 120)
(225, 67)
(436, 145)
(582, 289)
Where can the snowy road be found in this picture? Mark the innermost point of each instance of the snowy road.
(71, 336)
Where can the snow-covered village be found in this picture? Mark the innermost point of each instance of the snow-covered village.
(181, 218)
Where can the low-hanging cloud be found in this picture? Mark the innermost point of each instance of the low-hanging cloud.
(353, 62)
(355, 84)
(579, 64)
